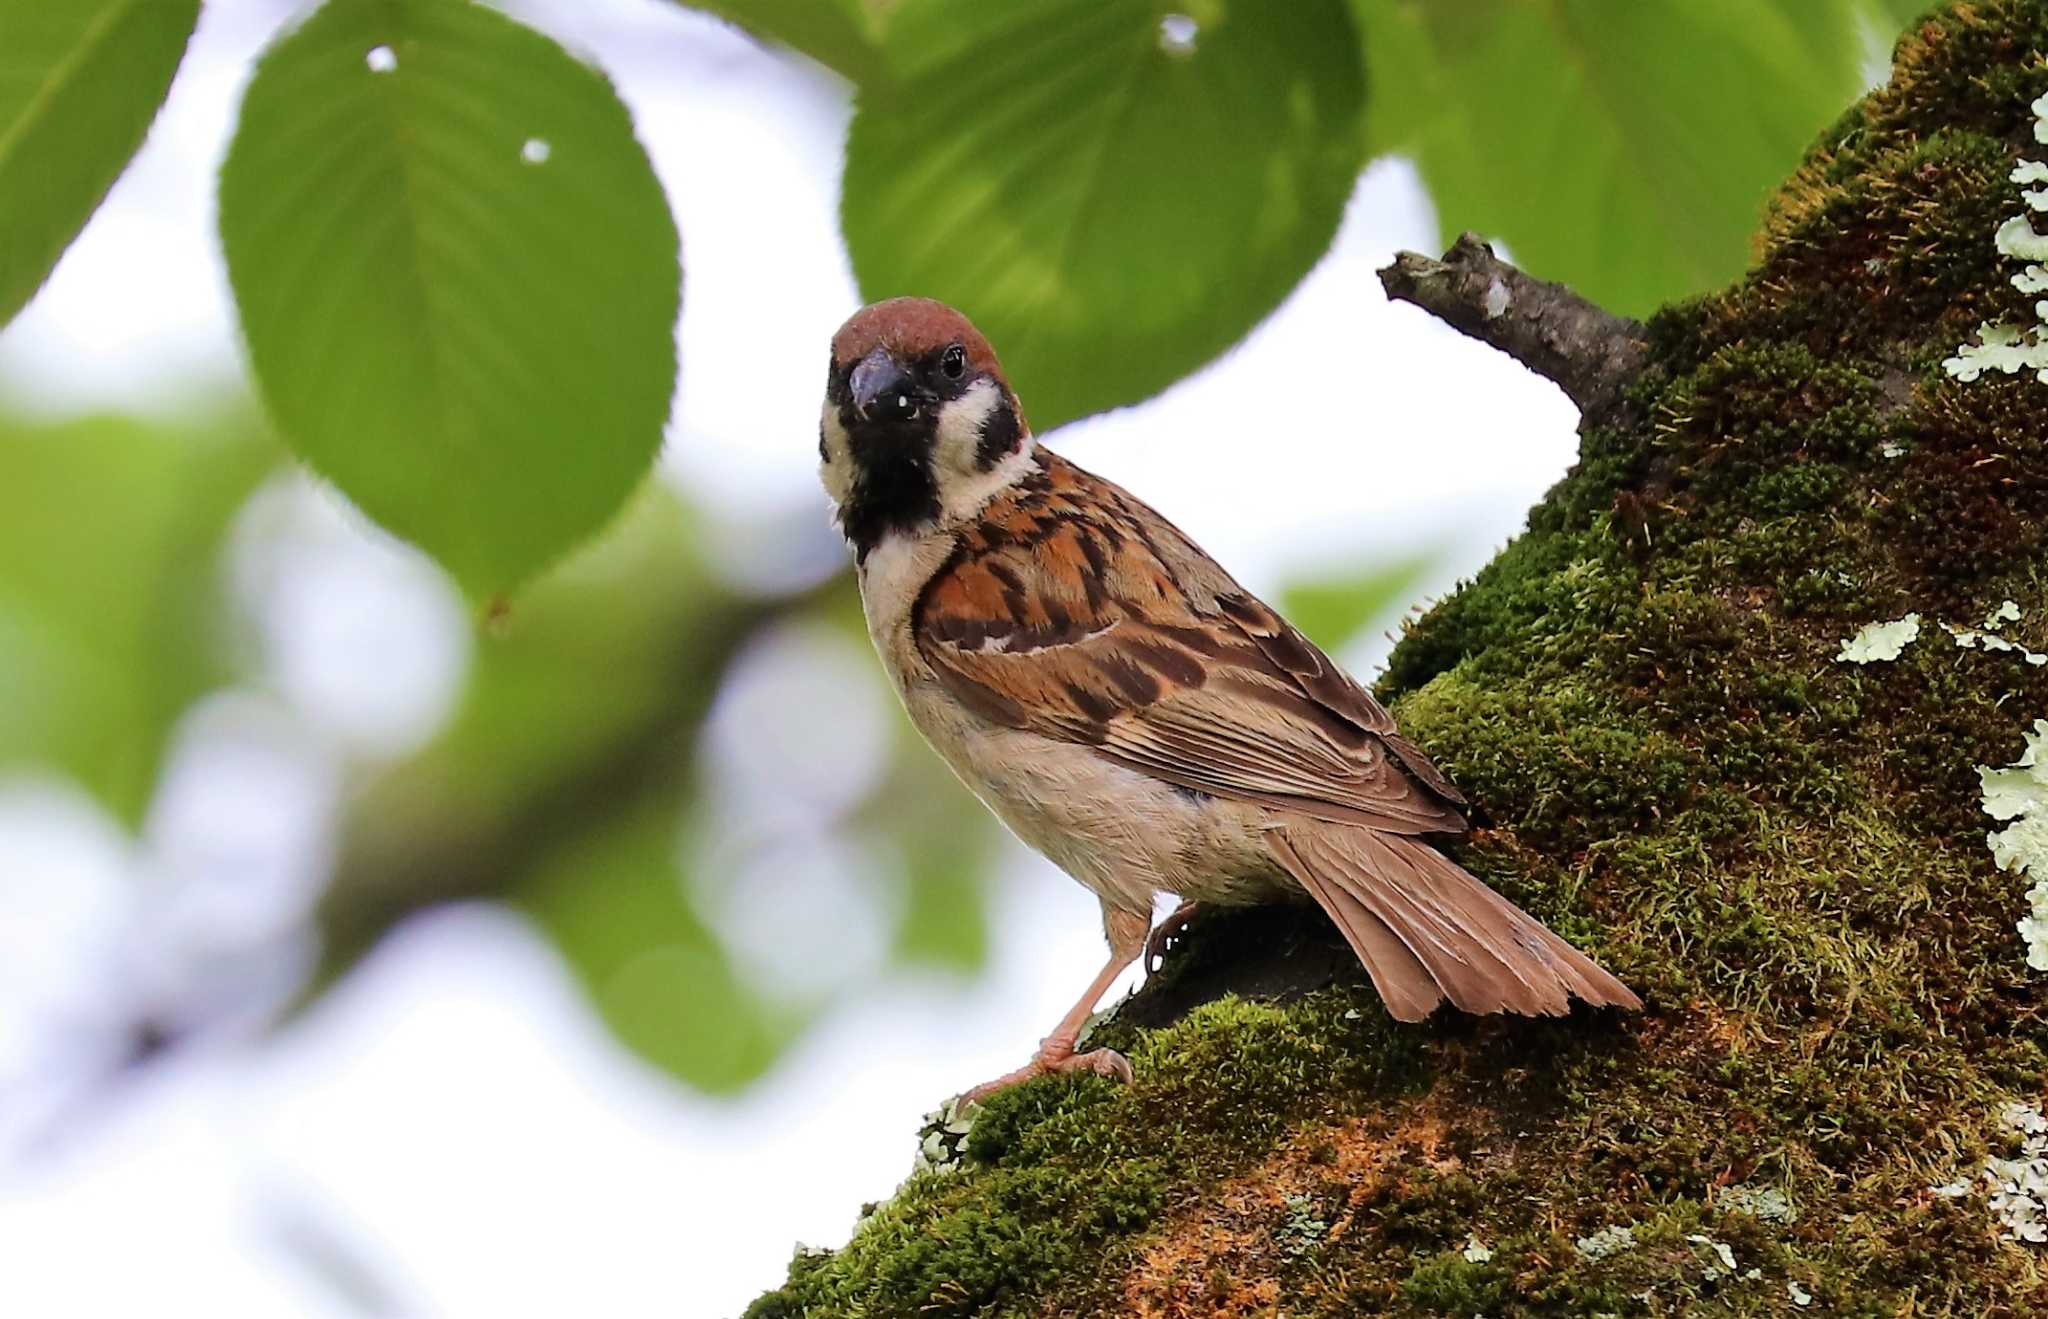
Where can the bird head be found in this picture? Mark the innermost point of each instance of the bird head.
(919, 426)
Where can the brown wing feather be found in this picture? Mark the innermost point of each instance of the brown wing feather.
(1074, 611)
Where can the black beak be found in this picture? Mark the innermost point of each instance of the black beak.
(875, 376)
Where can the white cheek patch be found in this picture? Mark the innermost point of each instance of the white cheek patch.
(963, 486)
(959, 429)
(835, 466)
(963, 496)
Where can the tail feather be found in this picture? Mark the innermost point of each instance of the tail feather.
(1427, 930)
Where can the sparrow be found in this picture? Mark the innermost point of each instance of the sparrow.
(1129, 710)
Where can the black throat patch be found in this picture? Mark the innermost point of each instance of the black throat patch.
(894, 487)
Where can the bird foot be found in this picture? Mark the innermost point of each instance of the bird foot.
(1050, 1059)
(1167, 933)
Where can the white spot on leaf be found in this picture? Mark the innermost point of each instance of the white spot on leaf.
(381, 59)
(536, 151)
(1177, 35)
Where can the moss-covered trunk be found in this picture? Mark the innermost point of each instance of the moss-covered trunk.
(1785, 853)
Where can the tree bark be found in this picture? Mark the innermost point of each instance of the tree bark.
(1589, 353)
(1784, 853)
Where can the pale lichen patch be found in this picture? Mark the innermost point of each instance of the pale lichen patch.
(2003, 346)
(1718, 1257)
(1999, 348)
(942, 1139)
(1880, 641)
(1972, 639)
(1766, 1203)
(2019, 793)
(1607, 1243)
(2018, 1185)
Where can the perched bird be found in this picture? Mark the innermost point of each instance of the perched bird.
(1128, 709)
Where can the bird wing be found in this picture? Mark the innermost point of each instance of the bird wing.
(1072, 610)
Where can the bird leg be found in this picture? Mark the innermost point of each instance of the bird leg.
(1126, 932)
(1167, 931)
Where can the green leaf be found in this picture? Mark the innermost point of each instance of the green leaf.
(457, 275)
(1625, 149)
(1894, 16)
(1332, 609)
(654, 972)
(584, 701)
(110, 533)
(1112, 214)
(842, 35)
(948, 843)
(80, 81)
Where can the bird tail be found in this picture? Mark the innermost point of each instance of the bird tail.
(1427, 930)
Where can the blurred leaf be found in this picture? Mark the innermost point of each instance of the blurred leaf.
(946, 890)
(842, 35)
(560, 785)
(1893, 16)
(946, 841)
(457, 276)
(80, 81)
(1625, 149)
(109, 591)
(655, 974)
(949, 844)
(1333, 608)
(1112, 214)
(587, 701)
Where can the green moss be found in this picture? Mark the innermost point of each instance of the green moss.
(1451, 1284)
(1782, 853)
(1560, 764)
(1062, 1168)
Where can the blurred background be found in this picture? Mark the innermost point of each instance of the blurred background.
(360, 955)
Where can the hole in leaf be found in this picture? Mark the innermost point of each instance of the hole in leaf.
(536, 151)
(381, 59)
(1177, 33)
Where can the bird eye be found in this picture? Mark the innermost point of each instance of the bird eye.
(953, 362)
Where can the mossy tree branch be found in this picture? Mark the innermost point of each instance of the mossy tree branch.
(1784, 854)
(1586, 351)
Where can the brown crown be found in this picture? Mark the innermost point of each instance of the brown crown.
(910, 328)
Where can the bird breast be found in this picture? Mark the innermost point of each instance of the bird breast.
(1120, 832)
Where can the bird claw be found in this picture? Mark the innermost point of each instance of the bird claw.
(1102, 1062)
(1168, 932)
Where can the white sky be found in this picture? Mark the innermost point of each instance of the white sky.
(451, 1114)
